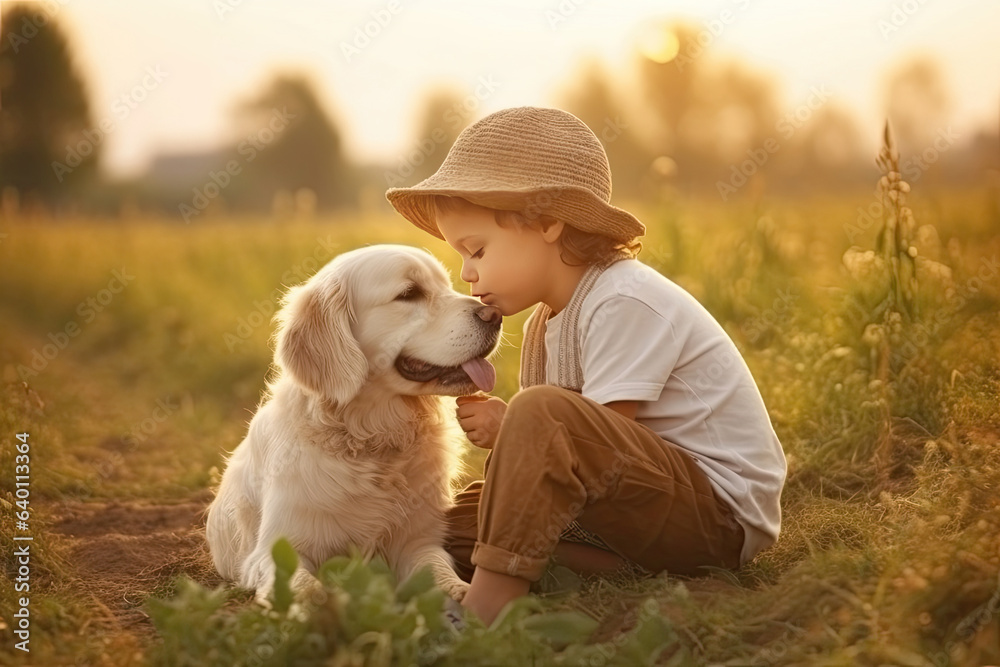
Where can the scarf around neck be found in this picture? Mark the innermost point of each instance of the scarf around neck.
(533, 358)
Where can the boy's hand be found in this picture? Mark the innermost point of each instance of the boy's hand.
(480, 417)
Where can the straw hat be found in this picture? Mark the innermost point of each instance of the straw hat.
(527, 159)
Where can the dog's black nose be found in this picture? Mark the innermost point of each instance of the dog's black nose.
(490, 315)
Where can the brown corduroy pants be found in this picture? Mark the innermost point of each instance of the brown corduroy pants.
(560, 457)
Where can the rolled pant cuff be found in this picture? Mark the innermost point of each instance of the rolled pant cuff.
(500, 560)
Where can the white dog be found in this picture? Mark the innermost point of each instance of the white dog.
(351, 445)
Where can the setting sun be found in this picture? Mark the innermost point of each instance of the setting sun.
(658, 42)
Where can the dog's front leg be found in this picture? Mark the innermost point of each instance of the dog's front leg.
(258, 569)
(408, 557)
(257, 572)
(260, 574)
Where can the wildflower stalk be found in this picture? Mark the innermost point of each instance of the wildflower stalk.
(894, 244)
(894, 240)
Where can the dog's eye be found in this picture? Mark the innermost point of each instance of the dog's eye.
(411, 293)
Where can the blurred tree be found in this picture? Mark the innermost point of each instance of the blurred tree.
(49, 146)
(289, 143)
(917, 103)
(710, 111)
(668, 82)
(592, 100)
(445, 115)
(738, 108)
(826, 151)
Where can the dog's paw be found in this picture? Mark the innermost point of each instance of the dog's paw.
(263, 597)
(306, 586)
(456, 589)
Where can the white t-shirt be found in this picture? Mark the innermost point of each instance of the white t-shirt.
(644, 338)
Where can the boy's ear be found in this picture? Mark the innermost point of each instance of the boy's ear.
(552, 231)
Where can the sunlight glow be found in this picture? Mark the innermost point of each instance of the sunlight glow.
(658, 43)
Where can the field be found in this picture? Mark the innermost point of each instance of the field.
(135, 351)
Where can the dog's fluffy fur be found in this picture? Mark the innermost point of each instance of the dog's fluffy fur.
(351, 445)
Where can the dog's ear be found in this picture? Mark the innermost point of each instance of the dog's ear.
(315, 343)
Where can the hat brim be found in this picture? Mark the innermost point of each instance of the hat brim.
(575, 206)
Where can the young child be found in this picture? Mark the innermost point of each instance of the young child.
(639, 438)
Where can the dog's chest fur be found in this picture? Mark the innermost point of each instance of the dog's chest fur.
(380, 487)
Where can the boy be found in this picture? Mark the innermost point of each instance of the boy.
(639, 437)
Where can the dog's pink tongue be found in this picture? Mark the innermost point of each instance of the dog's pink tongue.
(482, 373)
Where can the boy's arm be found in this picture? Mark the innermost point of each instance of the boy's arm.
(628, 351)
(627, 408)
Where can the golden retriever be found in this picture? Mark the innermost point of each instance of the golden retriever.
(351, 445)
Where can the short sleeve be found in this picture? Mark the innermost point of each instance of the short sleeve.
(628, 351)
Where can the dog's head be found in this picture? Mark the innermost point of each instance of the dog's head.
(386, 314)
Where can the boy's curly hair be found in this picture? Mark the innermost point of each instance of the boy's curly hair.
(576, 247)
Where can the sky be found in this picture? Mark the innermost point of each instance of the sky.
(192, 61)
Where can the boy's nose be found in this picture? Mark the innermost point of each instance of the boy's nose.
(468, 275)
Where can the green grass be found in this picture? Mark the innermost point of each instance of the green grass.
(889, 552)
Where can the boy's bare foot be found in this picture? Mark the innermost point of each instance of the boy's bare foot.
(490, 592)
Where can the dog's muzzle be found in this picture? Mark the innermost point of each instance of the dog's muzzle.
(476, 370)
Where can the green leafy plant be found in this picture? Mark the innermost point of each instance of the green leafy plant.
(360, 615)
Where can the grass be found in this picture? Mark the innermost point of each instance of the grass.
(890, 544)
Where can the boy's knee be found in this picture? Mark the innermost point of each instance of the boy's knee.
(540, 402)
(524, 433)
